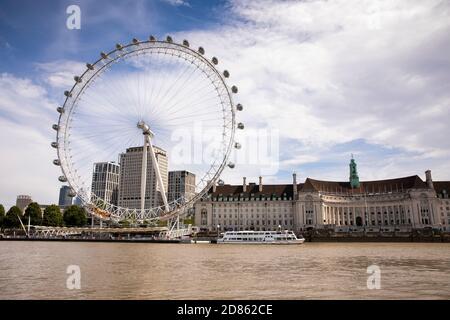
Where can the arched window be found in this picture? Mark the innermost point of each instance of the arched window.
(204, 217)
(309, 209)
(424, 209)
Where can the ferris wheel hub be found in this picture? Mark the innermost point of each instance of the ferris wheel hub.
(145, 128)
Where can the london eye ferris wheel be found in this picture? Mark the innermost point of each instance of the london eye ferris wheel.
(156, 95)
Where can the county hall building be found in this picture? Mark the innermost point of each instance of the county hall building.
(399, 204)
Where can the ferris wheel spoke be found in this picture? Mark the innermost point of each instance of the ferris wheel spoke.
(162, 85)
(194, 103)
(174, 84)
(153, 82)
(101, 102)
(188, 116)
(184, 101)
(105, 154)
(187, 89)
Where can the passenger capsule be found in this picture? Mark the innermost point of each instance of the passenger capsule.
(89, 66)
(234, 89)
(201, 50)
(240, 125)
(231, 165)
(67, 93)
(169, 39)
(72, 193)
(226, 74)
(119, 46)
(237, 145)
(239, 107)
(62, 178)
(77, 79)
(220, 182)
(135, 41)
(55, 127)
(56, 162)
(152, 38)
(215, 60)
(185, 43)
(60, 109)
(54, 144)
(103, 55)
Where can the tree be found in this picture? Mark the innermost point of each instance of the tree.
(75, 216)
(11, 220)
(34, 212)
(2, 215)
(52, 216)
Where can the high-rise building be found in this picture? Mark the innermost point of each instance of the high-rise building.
(130, 178)
(64, 196)
(23, 201)
(181, 185)
(105, 181)
(77, 201)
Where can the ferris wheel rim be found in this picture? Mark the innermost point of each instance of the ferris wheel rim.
(137, 213)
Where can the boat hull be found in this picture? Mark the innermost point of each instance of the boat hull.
(288, 242)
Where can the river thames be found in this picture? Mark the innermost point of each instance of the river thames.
(38, 270)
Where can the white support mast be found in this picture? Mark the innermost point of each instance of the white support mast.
(148, 134)
(144, 172)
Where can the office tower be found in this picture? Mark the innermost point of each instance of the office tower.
(181, 185)
(130, 178)
(105, 181)
(64, 196)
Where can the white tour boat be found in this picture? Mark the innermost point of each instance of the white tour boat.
(260, 237)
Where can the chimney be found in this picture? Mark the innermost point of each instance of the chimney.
(429, 180)
(260, 184)
(244, 185)
(294, 184)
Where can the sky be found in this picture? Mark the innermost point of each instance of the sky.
(324, 80)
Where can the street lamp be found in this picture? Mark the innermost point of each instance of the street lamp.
(279, 227)
(218, 230)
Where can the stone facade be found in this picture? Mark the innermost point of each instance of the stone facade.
(387, 205)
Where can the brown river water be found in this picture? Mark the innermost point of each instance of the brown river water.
(38, 270)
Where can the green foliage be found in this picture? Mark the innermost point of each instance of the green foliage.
(75, 216)
(33, 211)
(11, 220)
(53, 216)
(2, 215)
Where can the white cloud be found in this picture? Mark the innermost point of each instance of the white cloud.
(26, 115)
(331, 72)
(59, 74)
(177, 3)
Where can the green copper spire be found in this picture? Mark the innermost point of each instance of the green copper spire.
(354, 179)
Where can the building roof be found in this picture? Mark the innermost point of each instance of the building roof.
(440, 186)
(377, 186)
(278, 190)
(313, 185)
